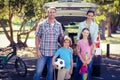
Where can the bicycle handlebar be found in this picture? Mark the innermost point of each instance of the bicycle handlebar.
(13, 48)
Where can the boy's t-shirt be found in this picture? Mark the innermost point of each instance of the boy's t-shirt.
(66, 55)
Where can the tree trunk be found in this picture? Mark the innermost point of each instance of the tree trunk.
(108, 24)
(102, 30)
(115, 23)
(24, 43)
(11, 39)
(12, 42)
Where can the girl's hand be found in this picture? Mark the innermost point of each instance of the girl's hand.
(84, 62)
(88, 61)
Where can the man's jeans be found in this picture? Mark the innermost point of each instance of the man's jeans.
(40, 67)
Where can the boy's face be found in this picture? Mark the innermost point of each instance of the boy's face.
(66, 43)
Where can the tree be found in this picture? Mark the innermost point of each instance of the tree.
(109, 8)
(7, 13)
(25, 11)
(33, 12)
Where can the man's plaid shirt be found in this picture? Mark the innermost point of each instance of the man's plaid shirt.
(48, 37)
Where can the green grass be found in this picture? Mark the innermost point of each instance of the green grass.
(115, 39)
(16, 28)
(31, 35)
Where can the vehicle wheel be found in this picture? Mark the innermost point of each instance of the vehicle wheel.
(20, 67)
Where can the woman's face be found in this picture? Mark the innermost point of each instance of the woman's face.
(85, 33)
(90, 16)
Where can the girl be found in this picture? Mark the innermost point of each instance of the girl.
(64, 53)
(85, 45)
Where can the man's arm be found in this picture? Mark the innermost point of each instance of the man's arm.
(37, 47)
(61, 31)
(37, 42)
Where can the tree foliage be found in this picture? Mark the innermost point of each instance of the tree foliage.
(21, 11)
(109, 11)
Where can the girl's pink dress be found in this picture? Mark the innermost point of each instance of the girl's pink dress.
(84, 47)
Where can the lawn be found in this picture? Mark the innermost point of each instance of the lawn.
(115, 39)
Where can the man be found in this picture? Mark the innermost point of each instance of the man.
(46, 42)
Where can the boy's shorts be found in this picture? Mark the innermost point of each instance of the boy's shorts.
(63, 74)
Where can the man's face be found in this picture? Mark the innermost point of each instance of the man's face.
(51, 13)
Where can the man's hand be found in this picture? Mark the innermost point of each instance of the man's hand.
(39, 55)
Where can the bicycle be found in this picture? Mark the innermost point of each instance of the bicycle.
(19, 64)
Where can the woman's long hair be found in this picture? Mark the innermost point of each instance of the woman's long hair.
(89, 36)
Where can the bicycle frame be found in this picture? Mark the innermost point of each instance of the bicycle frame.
(20, 65)
(4, 59)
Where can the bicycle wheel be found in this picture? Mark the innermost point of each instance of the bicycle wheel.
(20, 67)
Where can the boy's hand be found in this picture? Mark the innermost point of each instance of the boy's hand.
(71, 71)
(54, 65)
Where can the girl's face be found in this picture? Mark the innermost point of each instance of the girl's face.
(66, 43)
(85, 33)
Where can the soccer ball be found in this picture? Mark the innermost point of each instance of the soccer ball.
(60, 63)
